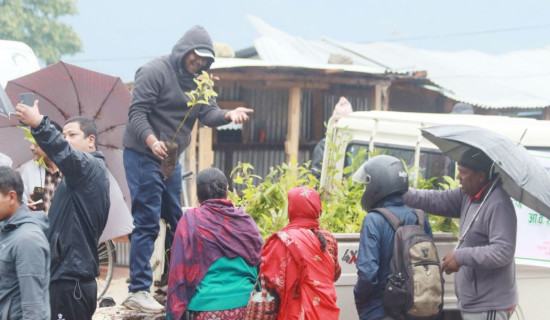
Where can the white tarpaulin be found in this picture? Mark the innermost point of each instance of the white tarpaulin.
(533, 240)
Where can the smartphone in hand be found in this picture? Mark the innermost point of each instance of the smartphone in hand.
(27, 98)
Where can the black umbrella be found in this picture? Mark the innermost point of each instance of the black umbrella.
(523, 177)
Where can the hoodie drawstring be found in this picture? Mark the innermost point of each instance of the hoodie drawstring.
(79, 293)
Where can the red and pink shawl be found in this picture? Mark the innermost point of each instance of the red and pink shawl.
(215, 229)
(306, 287)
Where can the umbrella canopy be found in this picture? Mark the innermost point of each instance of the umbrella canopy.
(63, 91)
(523, 177)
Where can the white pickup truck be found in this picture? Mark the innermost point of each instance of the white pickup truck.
(398, 134)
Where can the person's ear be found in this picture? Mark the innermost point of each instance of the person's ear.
(91, 141)
(13, 197)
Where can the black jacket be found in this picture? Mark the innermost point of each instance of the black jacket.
(79, 209)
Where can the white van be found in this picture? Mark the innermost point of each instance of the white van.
(16, 59)
(398, 134)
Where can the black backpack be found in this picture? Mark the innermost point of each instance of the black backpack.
(414, 287)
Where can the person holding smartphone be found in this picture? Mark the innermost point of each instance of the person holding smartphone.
(78, 212)
(40, 175)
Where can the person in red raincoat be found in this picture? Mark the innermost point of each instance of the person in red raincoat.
(300, 262)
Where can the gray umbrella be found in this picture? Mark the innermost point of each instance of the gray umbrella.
(5, 104)
(523, 177)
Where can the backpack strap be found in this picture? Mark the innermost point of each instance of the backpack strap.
(421, 217)
(390, 217)
(394, 220)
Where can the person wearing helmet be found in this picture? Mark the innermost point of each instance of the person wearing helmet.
(386, 181)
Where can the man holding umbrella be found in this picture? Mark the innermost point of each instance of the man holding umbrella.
(159, 104)
(485, 277)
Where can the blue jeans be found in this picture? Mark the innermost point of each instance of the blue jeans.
(152, 198)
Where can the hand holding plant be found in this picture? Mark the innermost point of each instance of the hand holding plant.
(201, 95)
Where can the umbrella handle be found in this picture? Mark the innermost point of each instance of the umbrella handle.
(461, 239)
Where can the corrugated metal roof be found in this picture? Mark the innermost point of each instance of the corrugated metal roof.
(516, 79)
(227, 63)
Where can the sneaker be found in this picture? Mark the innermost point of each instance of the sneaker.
(142, 301)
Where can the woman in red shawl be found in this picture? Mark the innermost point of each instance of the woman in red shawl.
(215, 255)
(300, 262)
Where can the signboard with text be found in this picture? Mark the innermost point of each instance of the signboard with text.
(533, 240)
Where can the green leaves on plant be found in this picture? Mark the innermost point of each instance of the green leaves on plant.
(445, 224)
(265, 199)
(201, 95)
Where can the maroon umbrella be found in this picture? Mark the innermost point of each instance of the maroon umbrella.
(63, 91)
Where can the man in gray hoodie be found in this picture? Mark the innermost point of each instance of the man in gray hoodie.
(485, 280)
(159, 104)
(24, 254)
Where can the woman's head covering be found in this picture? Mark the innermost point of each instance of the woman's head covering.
(293, 257)
(304, 207)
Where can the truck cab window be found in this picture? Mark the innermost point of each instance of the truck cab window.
(432, 163)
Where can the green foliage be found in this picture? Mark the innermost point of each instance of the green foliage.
(201, 95)
(446, 224)
(438, 223)
(342, 205)
(204, 90)
(266, 199)
(36, 23)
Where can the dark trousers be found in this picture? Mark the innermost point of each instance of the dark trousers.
(152, 198)
(73, 300)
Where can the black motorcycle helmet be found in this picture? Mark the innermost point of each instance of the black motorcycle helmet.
(383, 175)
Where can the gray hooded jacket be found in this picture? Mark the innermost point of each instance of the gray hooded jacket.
(159, 102)
(486, 279)
(24, 266)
